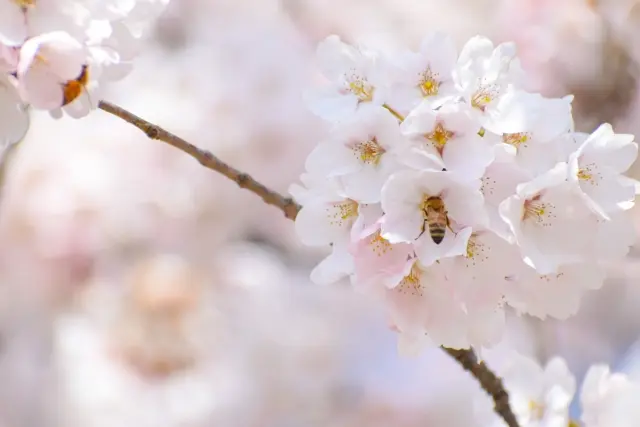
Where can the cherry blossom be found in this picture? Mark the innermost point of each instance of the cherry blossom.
(530, 125)
(50, 69)
(425, 75)
(361, 152)
(597, 165)
(355, 76)
(609, 399)
(548, 220)
(446, 138)
(485, 73)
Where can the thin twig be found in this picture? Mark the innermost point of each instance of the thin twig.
(206, 159)
(467, 358)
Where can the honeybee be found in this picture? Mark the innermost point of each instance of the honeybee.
(435, 216)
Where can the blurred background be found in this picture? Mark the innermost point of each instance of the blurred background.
(141, 289)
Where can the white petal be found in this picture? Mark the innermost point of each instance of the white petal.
(319, 223)
(334, 267)
(13, 26)
(14, 119)
(332, 159)
(468, 156)
(329, 104)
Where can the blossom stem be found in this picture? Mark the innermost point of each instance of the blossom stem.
(395, 113)
(491, 383)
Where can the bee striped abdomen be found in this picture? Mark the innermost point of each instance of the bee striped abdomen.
(437, 232)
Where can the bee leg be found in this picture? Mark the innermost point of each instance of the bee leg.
(422, 230)
(449, 225)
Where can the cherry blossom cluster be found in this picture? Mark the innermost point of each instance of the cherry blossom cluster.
(56, 54)
(540, 396)
(448, 191)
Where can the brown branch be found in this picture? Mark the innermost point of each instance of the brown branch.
(467, 358)
(489, 382)
(206, 159)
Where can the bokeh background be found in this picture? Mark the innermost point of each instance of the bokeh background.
(141, 289)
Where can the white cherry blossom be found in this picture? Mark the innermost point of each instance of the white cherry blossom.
(361, 152)
(405, 199)
(51, 69)
(597, 167)
(425, 75)
(356, 80)
(446, 138)
(609, 399)
(484, 73)
(548, 221)
(530, 125)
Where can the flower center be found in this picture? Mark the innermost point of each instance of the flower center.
(439, 136)
(472, 247)
(341, 212)
(369, 152)
(379, 245)
(73, 88)
(483, 96)
(535, 209)
(428, 84)
(515, 139)
(573, 423)
(589, 173)
(411, 282)
(360, 87)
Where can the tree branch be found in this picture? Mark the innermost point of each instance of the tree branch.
(206, 159)
(491, 383)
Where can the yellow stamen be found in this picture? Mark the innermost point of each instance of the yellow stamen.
(533, 208)
(537, 410)
(515, 139)
(482, 97)
(379, 245)
(440, 136)
(428, 84)
(360, 87)
(340, 212)
(411, 282)
(370, 151)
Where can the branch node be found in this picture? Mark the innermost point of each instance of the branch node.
(242, 179)
(152, 132)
